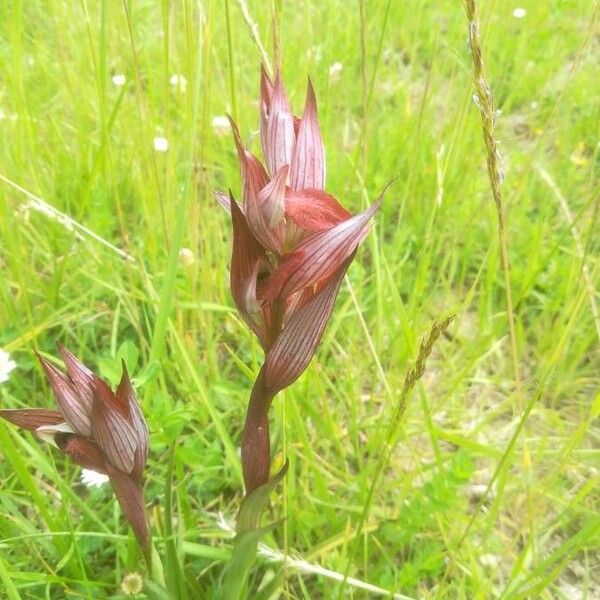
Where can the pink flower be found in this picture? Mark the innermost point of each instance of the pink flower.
(99, 429)
(292, 245)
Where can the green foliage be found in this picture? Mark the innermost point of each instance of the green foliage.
(73, 138)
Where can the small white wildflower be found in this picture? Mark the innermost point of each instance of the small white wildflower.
(132, 584)
(186, 257)
(6, 365)
(91, 478)
(178, 81)
(2, 115)
(161, 144)
(335, 71)
(489, 560)
(221, 125)
(534, 105)
(519, 13)
(119, 79)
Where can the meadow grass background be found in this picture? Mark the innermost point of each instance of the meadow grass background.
(85, 146)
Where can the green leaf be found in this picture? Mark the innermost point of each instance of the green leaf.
(242, 559)
(254, 504)
(245, 543)
(156, 592)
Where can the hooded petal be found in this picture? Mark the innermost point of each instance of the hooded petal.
(80, 375)
(318, 256)
(111, 428)
(308, 162)
(247, 256)
(254, 176)
(265, 215)
(298, 341)
(72, 405)
(314, 210)
(127, 396)
(279, 142)
(131, 499)
(32, 418)
(266, 90)
(83, 451)
(271, 198)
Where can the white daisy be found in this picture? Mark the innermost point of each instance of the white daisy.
(186, 257)
(6, 365)
(91, 478)
(178, 81)
(221, 125)
(119, 79)
(161, 144)
(335, 71)
(519, 13)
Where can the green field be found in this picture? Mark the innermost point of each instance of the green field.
(492, 485)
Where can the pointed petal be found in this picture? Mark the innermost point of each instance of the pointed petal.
(32, 418)
(131, 499)
(308, 162)
(254, 176)
(319, 255)
(71, 404)
(223, 200)
(298, 341)
(280, 136)
(111, 429)
(80, 375)
(314, 210)
(266, 208)
(83, 451)
(126, 395)
(266, 90)
(246, 258)
(271, 198)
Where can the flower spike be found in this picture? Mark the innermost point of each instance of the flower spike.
(292, 245)
(99, 429)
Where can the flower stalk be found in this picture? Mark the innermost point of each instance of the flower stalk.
(292, 245)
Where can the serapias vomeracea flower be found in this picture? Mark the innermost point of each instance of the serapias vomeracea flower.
(292, 245)
(99, 429)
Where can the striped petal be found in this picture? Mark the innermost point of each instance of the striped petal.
(223, 199)
(111, 428)
(265, 212)
(298, 341)
(73, 407)
(279, 142)
(266, 90)
(31, 418)
(80, 375)
(308, 162)
(82, 451)
(247, 256)
(126, 395)
(254, 176)
(131, 499)
(318, 256)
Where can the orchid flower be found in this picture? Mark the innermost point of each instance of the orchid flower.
(292, 245)
(99, 429)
